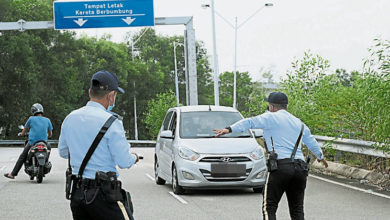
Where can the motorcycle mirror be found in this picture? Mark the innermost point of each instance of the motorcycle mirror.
(21, 127)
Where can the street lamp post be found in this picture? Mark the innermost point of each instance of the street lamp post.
(134, 98)
(235, 27)
(216, 71)
(175, 44)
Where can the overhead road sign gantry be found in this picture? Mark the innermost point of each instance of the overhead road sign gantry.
(103, 14)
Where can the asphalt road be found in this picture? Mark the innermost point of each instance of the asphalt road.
(25, 199)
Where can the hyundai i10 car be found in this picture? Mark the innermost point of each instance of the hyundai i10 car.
(189, 155)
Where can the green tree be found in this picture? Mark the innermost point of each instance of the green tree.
(157, 108)
(244, 89)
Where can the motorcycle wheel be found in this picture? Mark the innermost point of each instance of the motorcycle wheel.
(40, 174)
(31, 177)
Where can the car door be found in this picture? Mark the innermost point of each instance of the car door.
(170, 143)
(163, 158)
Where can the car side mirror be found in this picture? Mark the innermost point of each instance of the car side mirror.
(167, 134)
(258, 133)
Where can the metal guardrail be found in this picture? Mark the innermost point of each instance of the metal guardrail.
(341, 144)
(353, 146)
(55, 142)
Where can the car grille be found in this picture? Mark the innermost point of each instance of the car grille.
(209, 177)
(221, 159)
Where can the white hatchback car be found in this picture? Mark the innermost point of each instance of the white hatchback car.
(188, 154)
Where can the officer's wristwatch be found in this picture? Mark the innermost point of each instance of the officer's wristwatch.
(229, 128)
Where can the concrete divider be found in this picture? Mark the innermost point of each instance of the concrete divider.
(365, 176)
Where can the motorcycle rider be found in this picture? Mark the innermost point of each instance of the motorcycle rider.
(39, 128)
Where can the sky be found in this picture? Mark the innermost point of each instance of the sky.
(338, 30)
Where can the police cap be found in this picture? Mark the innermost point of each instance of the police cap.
(277, 98)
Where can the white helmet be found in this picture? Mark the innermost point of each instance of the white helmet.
(36, 108)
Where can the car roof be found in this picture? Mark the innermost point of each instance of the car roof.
(203, 108)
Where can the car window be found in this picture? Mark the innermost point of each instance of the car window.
(172, 125)
(167, 119)
(201, 124)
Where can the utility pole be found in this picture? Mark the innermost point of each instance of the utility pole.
(235, 27)
(134, 98)
(135, 116)
(235, 67)
(175, 44)
(216, 71)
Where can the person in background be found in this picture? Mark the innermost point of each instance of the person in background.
(39, 128)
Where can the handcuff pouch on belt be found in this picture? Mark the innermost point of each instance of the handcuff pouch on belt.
(272, 162)
(111, 187)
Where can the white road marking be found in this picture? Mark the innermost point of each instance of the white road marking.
(2, 168)
(150, 177)
(178, 198)
(351, 187)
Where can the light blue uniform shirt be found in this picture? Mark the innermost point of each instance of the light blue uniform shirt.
(39, 127)
(284, 128)
(78, 131)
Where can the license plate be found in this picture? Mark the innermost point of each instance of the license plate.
(228, 170)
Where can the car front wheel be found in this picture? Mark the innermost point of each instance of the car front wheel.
(177, 189)
(159, 180)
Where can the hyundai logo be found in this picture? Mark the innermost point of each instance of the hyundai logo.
(225, 159)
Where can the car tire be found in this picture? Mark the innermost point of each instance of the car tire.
(159, 180)
(177, 189)
(258, 189)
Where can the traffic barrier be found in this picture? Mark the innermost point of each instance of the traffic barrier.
(146, 143)
(353, 146)
(340, 144)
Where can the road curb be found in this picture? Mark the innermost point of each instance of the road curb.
(364, 176)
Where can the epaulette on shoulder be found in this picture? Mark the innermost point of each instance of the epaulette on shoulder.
(117, 116)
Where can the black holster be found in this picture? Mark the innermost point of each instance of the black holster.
(306, 165)
(70, 180)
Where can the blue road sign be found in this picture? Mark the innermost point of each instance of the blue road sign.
(103, 14)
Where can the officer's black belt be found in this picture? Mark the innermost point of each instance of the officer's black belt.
(87, 183)
(288, 161)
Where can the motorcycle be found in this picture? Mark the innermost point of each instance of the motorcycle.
(37, 163)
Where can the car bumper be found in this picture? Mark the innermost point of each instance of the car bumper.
(197, 174)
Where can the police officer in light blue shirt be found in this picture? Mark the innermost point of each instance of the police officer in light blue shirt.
(281, 131)
(78, 131)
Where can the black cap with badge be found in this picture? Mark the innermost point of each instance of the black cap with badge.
(105, 80)
(277, 98)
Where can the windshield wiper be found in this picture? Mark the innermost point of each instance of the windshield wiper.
(204, 136)
(240, 136)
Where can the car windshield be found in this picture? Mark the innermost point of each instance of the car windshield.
(201, 124)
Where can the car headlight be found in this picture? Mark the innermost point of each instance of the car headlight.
(188, 154)
(257, 154)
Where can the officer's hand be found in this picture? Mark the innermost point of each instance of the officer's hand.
(324, 162)
(220, 132)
